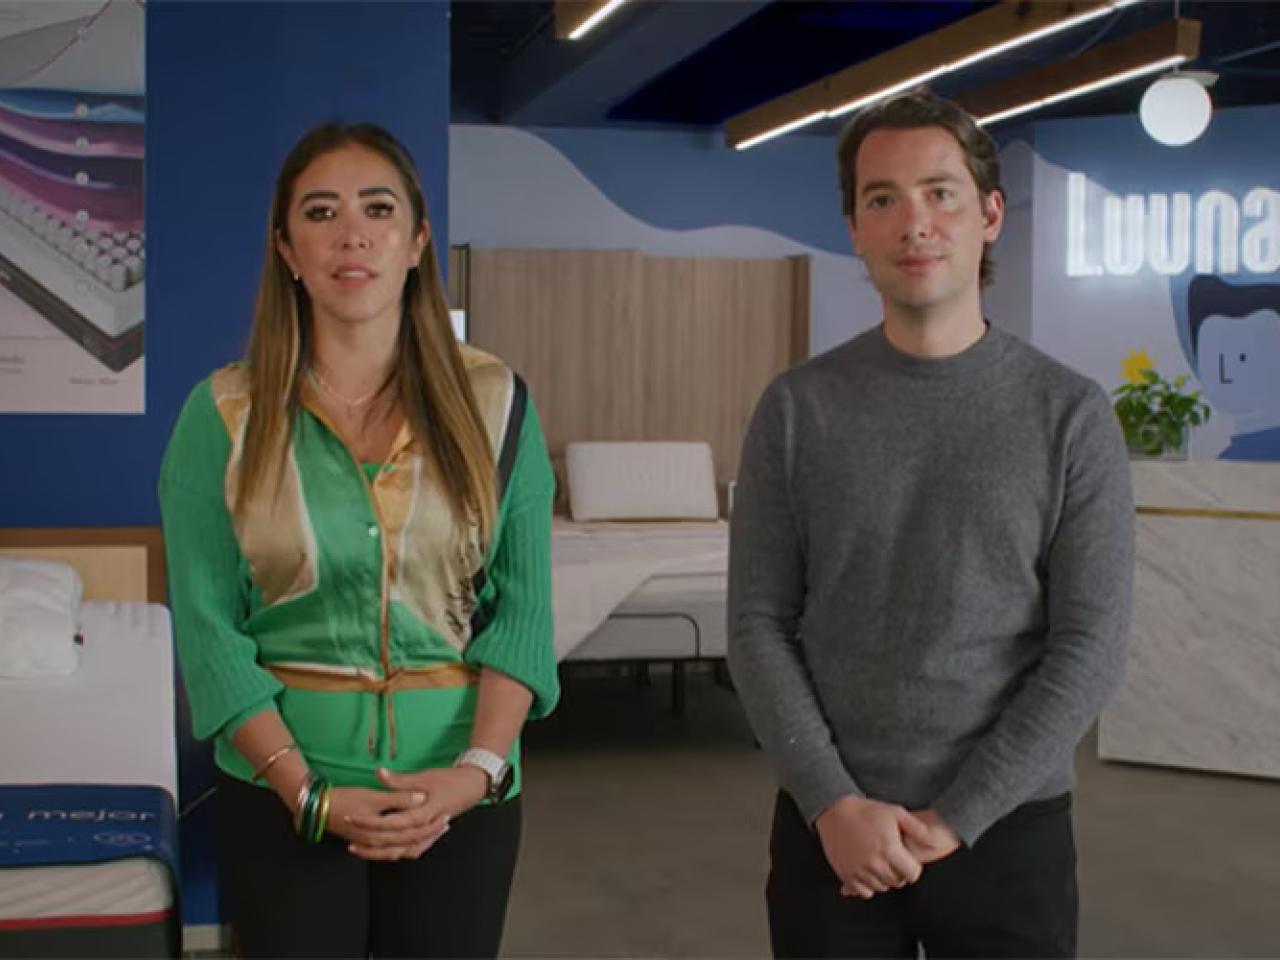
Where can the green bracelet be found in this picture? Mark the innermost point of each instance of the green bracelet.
(309, 812)
(322, 812)
(303, 792)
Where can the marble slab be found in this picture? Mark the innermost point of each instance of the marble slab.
(1202, 689)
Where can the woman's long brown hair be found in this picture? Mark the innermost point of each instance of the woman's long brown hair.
(433, 385)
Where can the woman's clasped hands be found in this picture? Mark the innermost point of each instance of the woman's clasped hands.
(405, 820)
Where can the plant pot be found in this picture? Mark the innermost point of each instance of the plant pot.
(1150, 446)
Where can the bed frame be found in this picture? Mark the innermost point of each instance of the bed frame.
(637, 660)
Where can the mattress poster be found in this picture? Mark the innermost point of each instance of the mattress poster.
(72, 242)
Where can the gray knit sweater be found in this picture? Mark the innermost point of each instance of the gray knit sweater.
(931, 568)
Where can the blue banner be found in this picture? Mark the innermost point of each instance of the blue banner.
(48, 824)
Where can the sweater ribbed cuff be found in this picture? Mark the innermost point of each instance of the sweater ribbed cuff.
(968, 813)
(816, 786)
(527, 659)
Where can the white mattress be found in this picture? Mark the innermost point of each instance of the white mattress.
(693, 588)
(598, 567)
(110, 722)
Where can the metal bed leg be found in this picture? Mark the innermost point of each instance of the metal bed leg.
(723, 679)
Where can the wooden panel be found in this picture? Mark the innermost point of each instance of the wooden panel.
(567, 322)
(114, 563)
(801, 305)
(617, 346)
(717, 331)
(456, 282)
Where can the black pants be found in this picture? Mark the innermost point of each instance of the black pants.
(1013, 894)
(286, 898)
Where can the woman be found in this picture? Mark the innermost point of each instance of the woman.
(357, 520)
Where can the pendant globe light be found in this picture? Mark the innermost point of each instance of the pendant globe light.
(1176, 109)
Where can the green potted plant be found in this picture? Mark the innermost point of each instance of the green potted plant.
(1156, 414)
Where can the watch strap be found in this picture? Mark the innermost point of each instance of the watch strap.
(494, 766)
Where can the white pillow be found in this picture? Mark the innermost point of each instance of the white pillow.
(39, 617)
(641, 481)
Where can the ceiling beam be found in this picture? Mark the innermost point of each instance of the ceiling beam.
(944, 50)
(573, 14)
(1165, 41)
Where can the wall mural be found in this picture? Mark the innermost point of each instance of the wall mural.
(1171, 254)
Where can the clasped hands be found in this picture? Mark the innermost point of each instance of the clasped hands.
(874, 847)
(403, 821)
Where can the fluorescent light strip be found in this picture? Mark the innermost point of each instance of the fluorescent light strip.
(595, 18)
(925, 77)
(1084, 88)
(981, 55)
(888, 91)
(1035, 35)
(784, 128)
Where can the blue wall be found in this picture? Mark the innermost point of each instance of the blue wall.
(230, 86)
(688, 180)
(685, 181)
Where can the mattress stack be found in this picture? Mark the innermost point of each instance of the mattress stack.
(89, 779)
(122, 908)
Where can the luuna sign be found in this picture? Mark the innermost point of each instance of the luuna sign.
(1213, 233)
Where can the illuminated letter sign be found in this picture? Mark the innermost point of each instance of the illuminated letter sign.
(1123, 235)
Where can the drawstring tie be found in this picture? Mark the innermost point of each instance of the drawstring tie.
(437, 677)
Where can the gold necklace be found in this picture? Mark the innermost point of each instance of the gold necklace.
(351, 405)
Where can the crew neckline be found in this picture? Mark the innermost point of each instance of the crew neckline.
(982, 353)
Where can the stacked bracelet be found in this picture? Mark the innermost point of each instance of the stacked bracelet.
(322, 817)
(312, 814)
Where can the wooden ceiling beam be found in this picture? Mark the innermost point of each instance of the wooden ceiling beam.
(1171, 39)
(572, 14)
(916, 61)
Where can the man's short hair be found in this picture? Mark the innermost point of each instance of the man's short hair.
(909, 111)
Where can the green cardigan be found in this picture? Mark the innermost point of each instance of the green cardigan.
(308, 578)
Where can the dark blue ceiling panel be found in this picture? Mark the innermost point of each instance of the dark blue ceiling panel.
(784, 46)
(683, 63)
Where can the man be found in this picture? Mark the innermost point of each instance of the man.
(930, 580)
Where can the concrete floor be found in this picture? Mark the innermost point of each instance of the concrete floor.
(645, 835)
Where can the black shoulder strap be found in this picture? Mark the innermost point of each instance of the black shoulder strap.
(511, 438)
(480, 616)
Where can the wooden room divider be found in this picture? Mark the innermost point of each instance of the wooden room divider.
(616, 345)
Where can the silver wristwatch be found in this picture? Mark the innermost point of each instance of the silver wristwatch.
(495, 767)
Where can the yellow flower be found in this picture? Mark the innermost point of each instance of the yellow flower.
(1134, 364)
